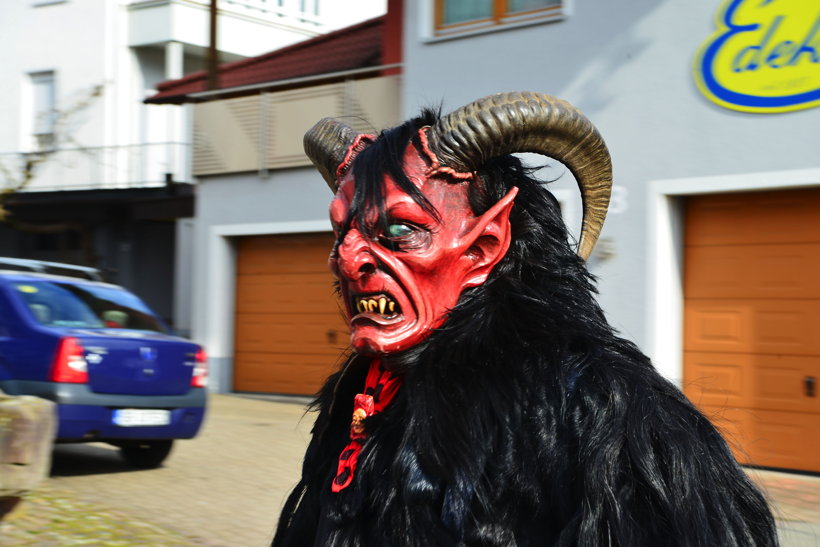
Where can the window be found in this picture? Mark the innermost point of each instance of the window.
(75, 305)
(460, 16)
(43, 109)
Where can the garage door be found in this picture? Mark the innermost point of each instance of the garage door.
(752, 322)
(289, 331)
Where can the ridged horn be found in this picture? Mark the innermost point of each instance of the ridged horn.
(506, 123)
(326, 144)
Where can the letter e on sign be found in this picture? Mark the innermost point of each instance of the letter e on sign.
(763, 57)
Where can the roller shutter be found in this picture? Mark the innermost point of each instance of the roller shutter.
(289, 330)
(752, 322)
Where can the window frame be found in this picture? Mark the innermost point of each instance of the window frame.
(43, 114)
(500, 19)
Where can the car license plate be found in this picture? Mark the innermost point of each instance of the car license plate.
(130, 417)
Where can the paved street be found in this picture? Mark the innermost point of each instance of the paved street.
(226, 488)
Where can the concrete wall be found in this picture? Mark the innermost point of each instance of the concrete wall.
(287, 195)
(628, 66)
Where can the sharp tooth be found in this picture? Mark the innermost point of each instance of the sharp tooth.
(392, 306)
(359, 307)
(382, 304)
(372, 305)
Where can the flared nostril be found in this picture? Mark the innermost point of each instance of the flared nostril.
(357, 266)
(354, 256)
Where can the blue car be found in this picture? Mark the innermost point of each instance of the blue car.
(115, 370)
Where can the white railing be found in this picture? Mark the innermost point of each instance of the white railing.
(103, 167)
(290, 9)
(266, 9)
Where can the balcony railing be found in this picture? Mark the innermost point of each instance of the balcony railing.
(264, 131)
(290, 9)
(294, 10)
(103, 167)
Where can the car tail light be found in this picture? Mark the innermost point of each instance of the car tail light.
(200, 377)
(69, 364)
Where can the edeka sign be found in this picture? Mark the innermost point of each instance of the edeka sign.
(764, 56)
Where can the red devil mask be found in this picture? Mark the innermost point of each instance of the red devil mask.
(403, 267)
(400, 278)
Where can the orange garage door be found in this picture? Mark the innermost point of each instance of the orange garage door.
(289, 330)
(752, 322)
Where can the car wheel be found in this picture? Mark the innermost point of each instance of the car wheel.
(146, 454)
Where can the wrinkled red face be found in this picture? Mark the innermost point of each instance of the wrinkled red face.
(399, 283)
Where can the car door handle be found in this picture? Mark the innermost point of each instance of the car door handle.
(809, 382)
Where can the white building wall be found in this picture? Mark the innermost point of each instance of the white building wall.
(627, 65)
(38, 38)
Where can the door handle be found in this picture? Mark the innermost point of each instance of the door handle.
(809, 382)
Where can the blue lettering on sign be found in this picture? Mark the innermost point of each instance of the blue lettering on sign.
(766, 50)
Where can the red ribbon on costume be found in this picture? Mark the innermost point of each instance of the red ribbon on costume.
(380, 387)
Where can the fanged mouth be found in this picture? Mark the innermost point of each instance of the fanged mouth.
(377, 303)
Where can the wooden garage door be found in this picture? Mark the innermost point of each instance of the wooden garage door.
(289, 330)
(752, 322)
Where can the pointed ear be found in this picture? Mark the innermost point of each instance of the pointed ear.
(487, 243)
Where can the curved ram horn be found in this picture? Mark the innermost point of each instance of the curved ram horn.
(326, 144)
(531, 122)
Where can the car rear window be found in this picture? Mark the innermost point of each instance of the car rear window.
(57, 304)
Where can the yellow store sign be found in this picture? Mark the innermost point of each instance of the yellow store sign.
(763, 57)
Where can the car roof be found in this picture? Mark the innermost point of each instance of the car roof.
(45, 266)
(18, 275)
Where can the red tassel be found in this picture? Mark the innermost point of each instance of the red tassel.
(380, 388)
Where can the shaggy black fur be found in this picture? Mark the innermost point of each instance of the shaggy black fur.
(525, 420)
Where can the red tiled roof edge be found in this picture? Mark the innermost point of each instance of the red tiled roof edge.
(368, 32)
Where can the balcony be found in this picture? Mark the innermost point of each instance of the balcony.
(267, 9)
(246, 27)
(103, 167)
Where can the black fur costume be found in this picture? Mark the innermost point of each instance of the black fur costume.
(525, 420)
